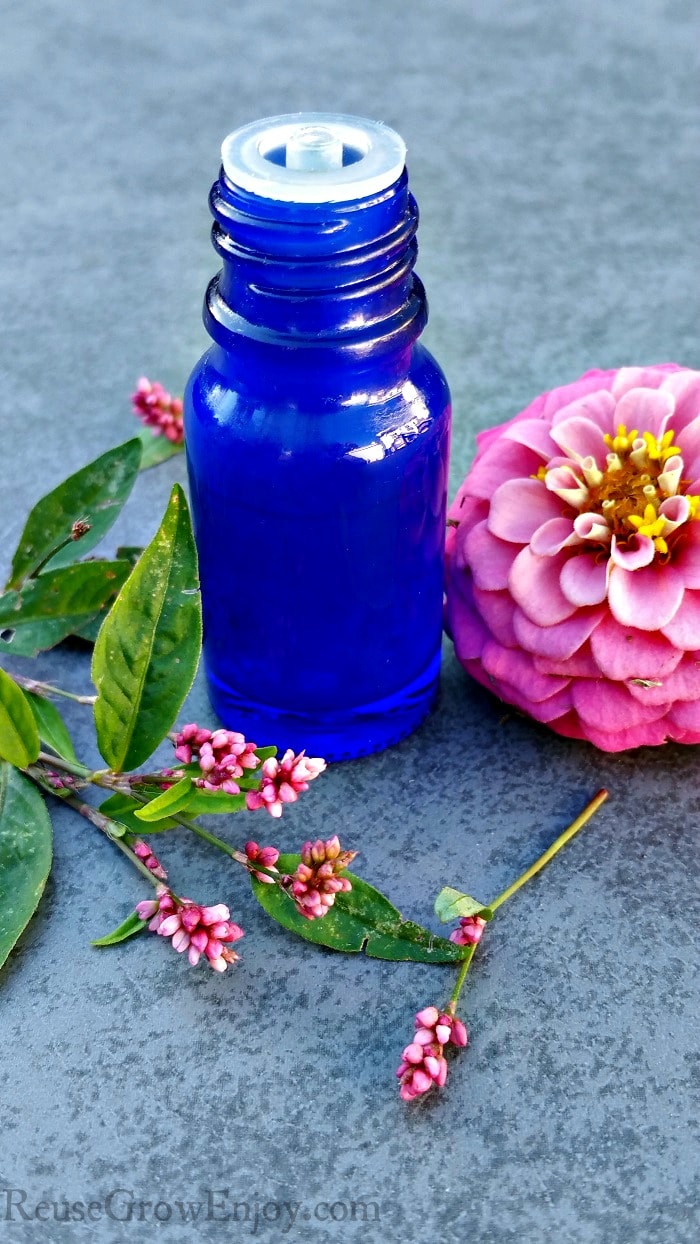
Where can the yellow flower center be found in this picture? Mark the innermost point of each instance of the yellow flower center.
(634, 484)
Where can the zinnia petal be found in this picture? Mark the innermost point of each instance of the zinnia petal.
(597, 405)
(553, 536)
(638, 552)
(623, 652)
(535, 435)
(584, 579)
(648, 598)
(683, 630)
(502, 461)
(489, 557)
(581, 438)
(519, 507)
(683, 683)
(497, 609)
(515, 667)
(560, 641)
(640, 378)
(609, 707)
(649, 410)
(534, 584)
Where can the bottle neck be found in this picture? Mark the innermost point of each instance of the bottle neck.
(323, 277)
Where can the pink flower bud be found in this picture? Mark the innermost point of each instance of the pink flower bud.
(469, 931)
(428, 1017)
(459, 1033)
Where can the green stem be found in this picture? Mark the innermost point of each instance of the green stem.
(47, 689)
(454, 997)
(71, 539)
(67, 766)
(549, 854)
(96, 818)
(213, 841)
(532, 871)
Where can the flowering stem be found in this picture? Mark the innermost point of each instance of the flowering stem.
(549, 854)
(210, 838)
(454, 996)
(102, 822)
(70, 539)
(47, 689)
(239, 856)
(213, 841)
(532, 871)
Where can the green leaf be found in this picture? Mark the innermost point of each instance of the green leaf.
(52, 728)
(48, 609)
(129, 553)
(264, 753)
(167, 803)
(208, 802)
(122, 809)
(25, 854)
(91, 629)
(95, 494)
(450, 904)
(132, 925)
(361, 920)
(19, 736)
(156, 449)
(147, 652)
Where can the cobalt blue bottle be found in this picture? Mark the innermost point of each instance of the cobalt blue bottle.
(317, 433)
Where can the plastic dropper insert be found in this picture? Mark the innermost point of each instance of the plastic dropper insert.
(331, 159)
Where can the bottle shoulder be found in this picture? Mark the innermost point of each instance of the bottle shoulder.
(363, 400)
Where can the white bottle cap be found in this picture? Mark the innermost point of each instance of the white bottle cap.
(313, 157)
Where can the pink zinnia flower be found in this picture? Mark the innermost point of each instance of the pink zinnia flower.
(283, 781)
(469, 931)
(316, 881)
(207, 931)
(573, 560)
(222, 756)
(158, 410)
(423, 1064)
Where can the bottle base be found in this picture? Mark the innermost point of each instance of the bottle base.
(343, 735)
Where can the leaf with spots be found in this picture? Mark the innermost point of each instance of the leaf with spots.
(48, 609)
(94, 495)
(362, 919)
(25, 854)
(147, 651)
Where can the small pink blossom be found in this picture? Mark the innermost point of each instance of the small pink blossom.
(572, 583)
(423, 1064)
(283, 781)
(222, 755)
(266, 856)
(207, 931)
(142, 850)
(469, 931)
(158, 410)
(60, 781)
(316, 881)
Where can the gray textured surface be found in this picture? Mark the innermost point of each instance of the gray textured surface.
(553, 151)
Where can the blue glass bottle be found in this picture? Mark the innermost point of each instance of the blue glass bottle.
(317, 434)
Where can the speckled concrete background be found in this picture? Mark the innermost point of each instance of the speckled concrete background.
(553, 151)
